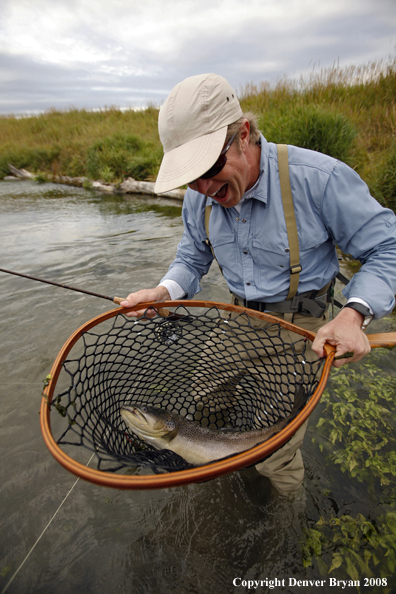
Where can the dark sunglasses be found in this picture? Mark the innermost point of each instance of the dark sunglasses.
(221, 161)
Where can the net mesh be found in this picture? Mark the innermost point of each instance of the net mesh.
(212, 367)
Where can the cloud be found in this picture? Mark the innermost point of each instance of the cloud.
(92, 53)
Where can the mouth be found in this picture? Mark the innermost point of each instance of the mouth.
(136, 412)
(221, 194)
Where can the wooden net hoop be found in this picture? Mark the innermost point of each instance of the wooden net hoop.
(189, 475)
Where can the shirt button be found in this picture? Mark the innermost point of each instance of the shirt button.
(287, 250)
(243, 220)
(237, 219)
(248, 283)
(245, 252)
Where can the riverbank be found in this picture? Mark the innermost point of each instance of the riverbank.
(349, 113)
(128, 186)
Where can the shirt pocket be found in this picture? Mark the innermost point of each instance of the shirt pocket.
(272, 269)
(225, 249)
(270, 258)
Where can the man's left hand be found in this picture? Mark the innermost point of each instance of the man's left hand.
(346, 334)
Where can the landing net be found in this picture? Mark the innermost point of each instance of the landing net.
(206, 362)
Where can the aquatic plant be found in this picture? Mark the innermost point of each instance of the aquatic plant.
(358, 418)
(357, 431)
(356, 547)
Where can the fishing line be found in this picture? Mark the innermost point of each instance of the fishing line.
(43, 532)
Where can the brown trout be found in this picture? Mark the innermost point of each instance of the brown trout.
(197, 444)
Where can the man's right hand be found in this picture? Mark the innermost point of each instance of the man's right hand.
(160, 293)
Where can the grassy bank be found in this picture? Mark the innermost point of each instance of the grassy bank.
(109, 144)
(349, 113)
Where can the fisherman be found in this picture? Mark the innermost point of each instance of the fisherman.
(218, 151)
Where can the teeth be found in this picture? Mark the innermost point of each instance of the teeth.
(212, 195)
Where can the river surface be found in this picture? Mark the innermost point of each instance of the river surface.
(59, 535)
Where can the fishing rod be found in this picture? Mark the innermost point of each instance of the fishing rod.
(384, 340)
(117, 300)
(41, 280)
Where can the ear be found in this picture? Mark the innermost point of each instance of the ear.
(244, 135)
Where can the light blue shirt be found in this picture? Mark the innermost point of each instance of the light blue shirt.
(332, 205)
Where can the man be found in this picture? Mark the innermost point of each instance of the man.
(211, 146)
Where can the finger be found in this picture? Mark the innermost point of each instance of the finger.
(342, 361)
(344, 356)
(135, 298)
(125, 303)
(318, 345)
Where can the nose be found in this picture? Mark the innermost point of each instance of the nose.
(202, 185)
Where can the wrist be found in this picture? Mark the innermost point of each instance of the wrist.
(359, 312)
(163, 293)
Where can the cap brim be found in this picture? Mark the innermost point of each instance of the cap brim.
(189, 161)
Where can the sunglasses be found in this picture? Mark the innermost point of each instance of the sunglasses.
(221, 161)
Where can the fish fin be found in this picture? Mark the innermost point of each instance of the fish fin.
(299, 401)
(171, 435)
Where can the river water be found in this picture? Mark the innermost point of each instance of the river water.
(59, 535)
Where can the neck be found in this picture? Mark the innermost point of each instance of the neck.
(253, 155)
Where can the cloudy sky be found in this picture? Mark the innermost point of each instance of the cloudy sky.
(130, 53)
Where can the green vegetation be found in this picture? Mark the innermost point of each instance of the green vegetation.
(311, 127)
(358, 419)
(357, 430)
(366, 549)
(120, 156)
(110, 144)
(349, 113)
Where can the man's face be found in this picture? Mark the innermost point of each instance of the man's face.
(237, 176)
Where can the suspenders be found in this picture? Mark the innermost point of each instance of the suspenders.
(290, 218)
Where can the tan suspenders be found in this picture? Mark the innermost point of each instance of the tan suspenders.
(290, 218)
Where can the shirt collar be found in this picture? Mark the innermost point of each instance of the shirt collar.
(259, 190)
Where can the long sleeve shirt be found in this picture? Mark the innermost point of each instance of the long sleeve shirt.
(332, 205)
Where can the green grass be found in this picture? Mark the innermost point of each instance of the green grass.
(109, 144)
(349, 113)
(357, 102)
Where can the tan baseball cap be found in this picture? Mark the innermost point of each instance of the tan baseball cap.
(192, 125)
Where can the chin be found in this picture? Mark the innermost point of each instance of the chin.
(229, 201)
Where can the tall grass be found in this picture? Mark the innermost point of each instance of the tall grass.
(349, 113)
(63, 143)
(359, 101)
(312, 127)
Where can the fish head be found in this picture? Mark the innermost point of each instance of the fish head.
(150, 423)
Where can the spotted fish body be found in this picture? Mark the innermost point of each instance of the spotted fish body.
(197, 444)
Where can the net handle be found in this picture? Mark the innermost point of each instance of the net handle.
(199, 473)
